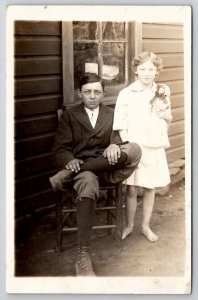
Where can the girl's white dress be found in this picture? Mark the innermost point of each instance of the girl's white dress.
(133, 113)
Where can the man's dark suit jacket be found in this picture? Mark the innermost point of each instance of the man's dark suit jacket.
(76, 138)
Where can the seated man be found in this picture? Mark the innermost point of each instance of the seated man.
(87, 152)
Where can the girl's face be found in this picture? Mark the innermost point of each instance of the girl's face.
(146, 73)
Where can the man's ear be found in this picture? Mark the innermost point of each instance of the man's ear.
(79, 94)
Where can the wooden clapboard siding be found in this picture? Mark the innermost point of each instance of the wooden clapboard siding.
(37, 28)
(178, 113)
(166, 40)
(162, 31)
(37, 46)
(176, 86)
(29, 205)
(175, 73)
(176, 128)
(172, 59)
(177, 100)
(177, 141)
(175, 154)
(38, 66)
(34, 165)
(32, 185)
(37, 85)
(38, 95)
(34, 125)
(163, 45)
(32, 146)
(29, 105)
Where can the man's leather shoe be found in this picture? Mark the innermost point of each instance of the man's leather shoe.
(83, 263)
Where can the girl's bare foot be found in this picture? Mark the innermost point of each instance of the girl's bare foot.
(150, 235)
(127, 230)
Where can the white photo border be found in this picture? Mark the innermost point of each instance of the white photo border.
(96, 285)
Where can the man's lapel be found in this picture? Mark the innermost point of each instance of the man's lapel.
(103, 116)
(82, 117)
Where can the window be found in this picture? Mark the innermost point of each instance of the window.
(98, 47)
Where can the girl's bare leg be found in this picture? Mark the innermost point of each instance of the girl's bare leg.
(148, 202)
(130, 208)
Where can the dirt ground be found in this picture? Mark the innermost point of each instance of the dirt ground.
(134, 256)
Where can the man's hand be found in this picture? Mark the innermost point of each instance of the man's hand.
(112, 153)
(74, 165)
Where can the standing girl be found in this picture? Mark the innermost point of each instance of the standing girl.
(142, 115)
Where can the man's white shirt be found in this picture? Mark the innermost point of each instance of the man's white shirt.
(93, 115)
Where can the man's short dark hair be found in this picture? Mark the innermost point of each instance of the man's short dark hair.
(91, 78)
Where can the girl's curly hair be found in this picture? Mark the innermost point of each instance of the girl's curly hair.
(145, 56)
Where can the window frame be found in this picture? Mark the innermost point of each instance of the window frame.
(133, 45)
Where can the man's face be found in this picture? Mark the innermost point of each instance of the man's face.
(91, 94)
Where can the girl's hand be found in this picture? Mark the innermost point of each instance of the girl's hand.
(166, 115)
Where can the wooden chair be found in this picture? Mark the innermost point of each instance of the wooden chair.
(113, 208)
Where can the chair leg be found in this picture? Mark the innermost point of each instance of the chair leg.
(109, 203)
(119, 212)
(59, 222)
(110, 198)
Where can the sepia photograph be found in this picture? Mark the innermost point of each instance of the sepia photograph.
(98, 136)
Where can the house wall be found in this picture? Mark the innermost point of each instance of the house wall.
(166, 40)
(38, 95)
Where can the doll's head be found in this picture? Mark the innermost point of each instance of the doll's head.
(144, 57)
